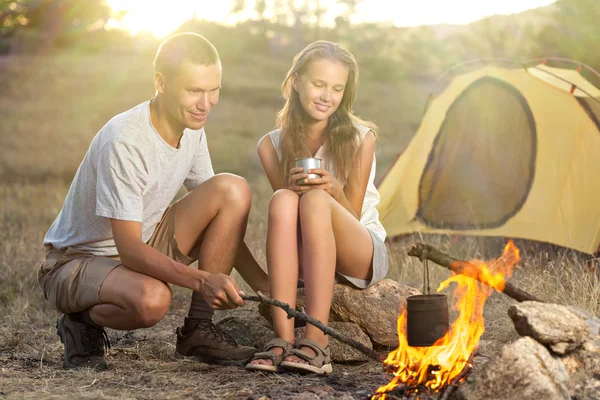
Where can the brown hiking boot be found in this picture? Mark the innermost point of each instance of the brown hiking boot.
(204, 341)
(84, 344)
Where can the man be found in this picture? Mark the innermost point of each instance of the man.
(116, 243)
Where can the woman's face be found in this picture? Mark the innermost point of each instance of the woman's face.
(321, 88)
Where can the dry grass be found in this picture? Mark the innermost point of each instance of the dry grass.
(51, 107)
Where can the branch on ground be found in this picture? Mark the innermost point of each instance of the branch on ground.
(292, 313)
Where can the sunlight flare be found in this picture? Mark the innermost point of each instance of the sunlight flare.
(163, 17)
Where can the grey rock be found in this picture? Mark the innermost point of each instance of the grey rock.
(561, 348)
(578, 375)
(247, 331)
(375, 309)
(590, 354)
(550, 324)
(522, 370)
(341, 352)
(589, 390)
(592, 321)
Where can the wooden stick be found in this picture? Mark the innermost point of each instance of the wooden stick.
(425, 251)
(456, 381)
(292, 313)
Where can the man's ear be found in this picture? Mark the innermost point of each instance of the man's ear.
(159, 82)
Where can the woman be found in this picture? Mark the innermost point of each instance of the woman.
(326, 229)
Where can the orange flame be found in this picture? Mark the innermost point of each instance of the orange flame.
(437, 366)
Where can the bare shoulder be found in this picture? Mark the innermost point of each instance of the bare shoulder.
(368, 140)
(263, 141)
(370, 134)
(265, 145)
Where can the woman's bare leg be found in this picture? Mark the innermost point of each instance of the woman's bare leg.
(282, 261)
(332, 238)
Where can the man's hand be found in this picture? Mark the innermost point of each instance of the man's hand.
(221, 292)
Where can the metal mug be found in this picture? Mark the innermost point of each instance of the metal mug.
(306, 164)
(426, 319)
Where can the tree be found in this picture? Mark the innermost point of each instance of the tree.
(12, 16)
(56, 22)
(573, 33)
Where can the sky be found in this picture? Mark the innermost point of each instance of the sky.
(162, 17)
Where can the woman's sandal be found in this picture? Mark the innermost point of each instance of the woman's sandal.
(269, 354)
(319, 364)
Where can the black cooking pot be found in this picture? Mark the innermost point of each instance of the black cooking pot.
(426, 319)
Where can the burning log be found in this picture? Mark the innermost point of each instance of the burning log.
(443, 366)
(457, 381)
(425, 251)
(292, 313)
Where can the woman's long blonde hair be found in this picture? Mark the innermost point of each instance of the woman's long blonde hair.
(340, 142)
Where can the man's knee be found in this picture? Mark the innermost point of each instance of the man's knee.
(152, 303)
(233, 189)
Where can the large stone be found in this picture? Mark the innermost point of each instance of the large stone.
(583, 366)
(590, 353)
(524, 370)
(375, 309)
(341, 352)
(592, 321)
(247, 331)
(589, 390)
(550, 324)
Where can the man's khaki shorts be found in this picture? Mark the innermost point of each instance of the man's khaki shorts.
(71, 279)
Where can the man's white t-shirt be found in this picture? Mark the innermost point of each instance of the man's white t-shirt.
(128, 173)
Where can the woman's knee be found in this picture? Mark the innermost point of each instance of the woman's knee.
(152, 302)
(283, 205)
(313, 201)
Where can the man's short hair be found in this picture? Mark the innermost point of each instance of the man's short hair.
(187, 46)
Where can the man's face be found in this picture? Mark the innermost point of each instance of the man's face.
(192, 93)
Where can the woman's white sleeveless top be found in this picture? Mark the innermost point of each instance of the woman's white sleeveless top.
(369, 216)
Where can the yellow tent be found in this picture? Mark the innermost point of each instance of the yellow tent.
(503, 151)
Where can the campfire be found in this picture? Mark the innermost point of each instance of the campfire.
(434, 369)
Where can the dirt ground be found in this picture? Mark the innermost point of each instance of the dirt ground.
(143, 366)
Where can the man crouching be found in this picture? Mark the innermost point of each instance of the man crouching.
(118, 241)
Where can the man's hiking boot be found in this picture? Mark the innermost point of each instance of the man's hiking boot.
(84, 344)
(204, 341)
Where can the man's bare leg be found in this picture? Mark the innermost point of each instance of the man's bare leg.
(131, 300)
(219, 209)
(212, 220)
